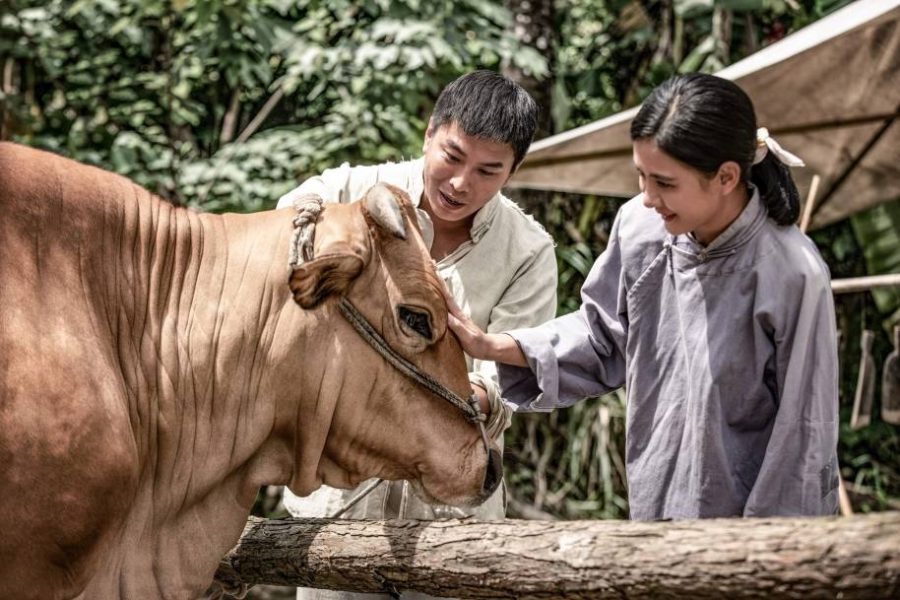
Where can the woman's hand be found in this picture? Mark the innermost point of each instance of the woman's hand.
(472, 339)
(498, 347)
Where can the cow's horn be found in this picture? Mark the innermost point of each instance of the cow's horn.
(382, 205)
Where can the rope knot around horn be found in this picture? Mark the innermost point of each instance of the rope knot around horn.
(308, 207)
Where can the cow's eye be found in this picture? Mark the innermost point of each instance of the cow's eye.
(416, 320)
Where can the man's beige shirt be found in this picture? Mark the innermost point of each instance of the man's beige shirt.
(504, 278)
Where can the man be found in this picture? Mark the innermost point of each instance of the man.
(498, 262)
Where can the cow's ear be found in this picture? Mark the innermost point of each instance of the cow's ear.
(317, 279)
(383, 205)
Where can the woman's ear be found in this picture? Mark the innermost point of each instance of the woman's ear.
(729, 176)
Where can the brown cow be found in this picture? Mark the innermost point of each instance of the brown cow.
(155, 371)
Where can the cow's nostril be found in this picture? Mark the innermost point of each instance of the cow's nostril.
(493, 475)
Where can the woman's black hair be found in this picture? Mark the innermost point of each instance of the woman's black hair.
(705, 121)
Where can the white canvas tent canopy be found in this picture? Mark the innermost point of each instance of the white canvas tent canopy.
(830, 93)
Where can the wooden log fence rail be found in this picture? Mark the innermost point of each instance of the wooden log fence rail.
(865, 284)
(840, 557)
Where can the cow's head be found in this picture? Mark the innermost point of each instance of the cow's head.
(379, 423)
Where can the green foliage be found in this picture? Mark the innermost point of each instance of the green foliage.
(614, 52)
(134, 85)
(160, 90)
(571, 463)
(869, 464)
(880, 227)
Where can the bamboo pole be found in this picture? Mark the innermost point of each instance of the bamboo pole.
(864, 284)
(809, 204)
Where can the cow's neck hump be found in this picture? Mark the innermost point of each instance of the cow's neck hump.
(199, 306)
(212, 289)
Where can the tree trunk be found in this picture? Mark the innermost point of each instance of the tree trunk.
(533, 25)
(852, 557)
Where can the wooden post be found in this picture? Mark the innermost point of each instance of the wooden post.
(849, 557)
(809, 204)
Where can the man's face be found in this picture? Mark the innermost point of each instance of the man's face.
(462, 172)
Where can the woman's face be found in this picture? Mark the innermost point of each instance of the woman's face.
(686, 199)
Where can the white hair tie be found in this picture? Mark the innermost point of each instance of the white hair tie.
(765, 144)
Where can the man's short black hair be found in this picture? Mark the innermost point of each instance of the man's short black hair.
(490, 106)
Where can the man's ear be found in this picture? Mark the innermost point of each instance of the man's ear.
(729, 176)
(512, 171)
(429, 133)
(317, 279)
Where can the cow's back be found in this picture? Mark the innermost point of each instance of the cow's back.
(68, 467)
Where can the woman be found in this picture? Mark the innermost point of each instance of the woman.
(715, 313)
